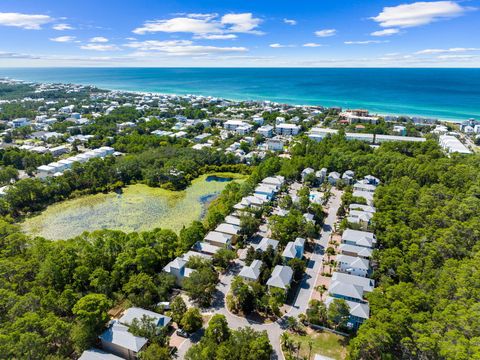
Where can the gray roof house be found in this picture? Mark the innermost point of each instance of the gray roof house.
(252, 272)
(177, 267)
(359, 238)
(346, 291)
(218, 239)
(372, 180)
(361, 186)
(348, 177)
(265, 243)
(95, 354)
(119, 341)
(368, 196)
(361, 207)
(281, 277)
(353, 265)
(306, 172)
(366, 283)
(232, 220)
(333, 178)
(358, 312)
(353, 250)
(228, 229)
(137, 313)
(294, 249)
(205, 248)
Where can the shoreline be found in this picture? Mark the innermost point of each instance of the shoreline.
(293, 104)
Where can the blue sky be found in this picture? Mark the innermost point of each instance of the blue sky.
(302, 33)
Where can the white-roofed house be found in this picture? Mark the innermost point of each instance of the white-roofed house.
(359, 238)
(230, 219)
(205, 248)
(353, 265)
(252, 272)
(228, 229)
(177, 267)
(353, 250)
(358, 312)
(265, 243)
(219, 239)
(133, 313)
(119, 341)
(96, 354)
(333, 178)
(281, 277)
(294, 249)
(366, 283)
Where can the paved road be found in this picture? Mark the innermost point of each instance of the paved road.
(300, 304)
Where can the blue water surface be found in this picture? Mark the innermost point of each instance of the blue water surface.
(452, 94)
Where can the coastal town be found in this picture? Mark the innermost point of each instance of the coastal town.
(288, 261)
(64, 129)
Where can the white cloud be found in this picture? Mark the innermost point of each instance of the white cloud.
(98, 39)
(204, 25)
(178, 48)
(277, 46)
(63, 39)
(365, 42)
(386, 32)
(24, 21)
(326, 32)
(216, 36)
(241, 23)
(418, 13)
(290, 21)
(312, 45)
(456, 57)
(62, 27)
(10, 55)
(99, 47)
(440, 51)
(180, 24)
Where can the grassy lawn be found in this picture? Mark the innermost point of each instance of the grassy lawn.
(323, 343)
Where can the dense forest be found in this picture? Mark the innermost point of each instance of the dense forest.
(426, 305)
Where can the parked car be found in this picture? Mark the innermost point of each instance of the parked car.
(183, 333)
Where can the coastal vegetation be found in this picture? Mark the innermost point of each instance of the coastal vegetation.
(427, 221)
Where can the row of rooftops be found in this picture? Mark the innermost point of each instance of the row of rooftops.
(351, 282)
(58, 167)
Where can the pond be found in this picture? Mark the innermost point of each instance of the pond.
(137, 208)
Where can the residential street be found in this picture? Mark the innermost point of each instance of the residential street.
(300, 305)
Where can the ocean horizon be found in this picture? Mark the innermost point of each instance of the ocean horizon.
(445, 93)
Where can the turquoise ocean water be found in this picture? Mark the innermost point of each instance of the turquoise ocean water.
(452, 94)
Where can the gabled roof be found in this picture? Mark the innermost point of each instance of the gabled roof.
(218, 237)
(346, 289)
(95, 354)
(118, 334)
(281, 277)
(265, 243)
(177, 263)
(359, 250)
(253, 271)
(290, 251)
(228, 229)
(354, 262)
(232, 220)
(360, 310)
(360, 238)
(366, 283)
(137, 313)
(204, 247)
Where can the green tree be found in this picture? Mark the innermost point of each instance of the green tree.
(178, 308)
(192, 320)
(218, 330)
(338, 313)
